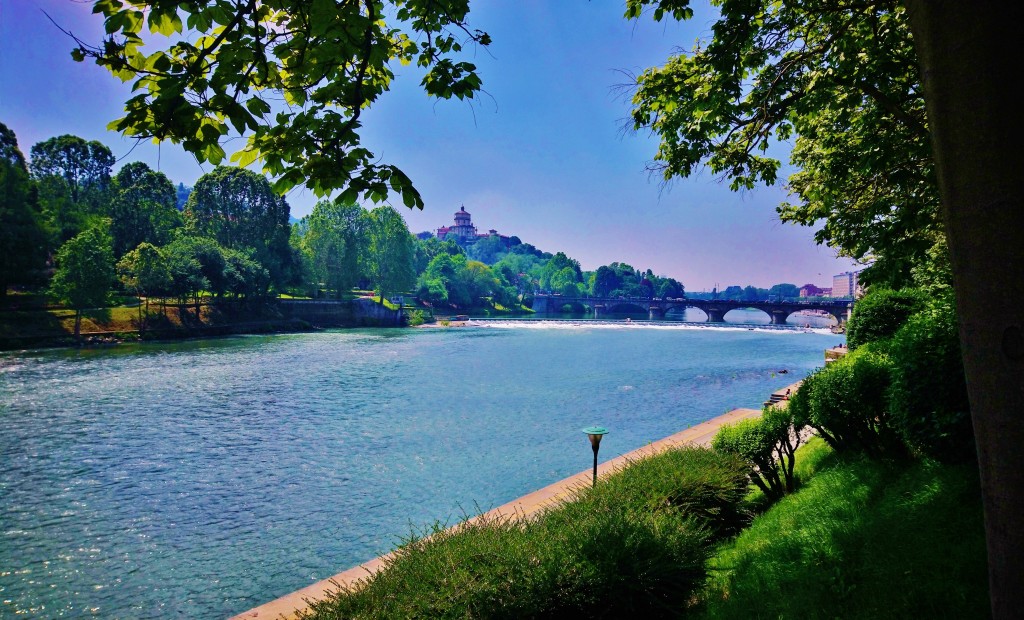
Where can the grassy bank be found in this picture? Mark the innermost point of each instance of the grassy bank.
(636, 544)
(31, 326)
(860, 539)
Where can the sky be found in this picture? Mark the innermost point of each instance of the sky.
(541, 154)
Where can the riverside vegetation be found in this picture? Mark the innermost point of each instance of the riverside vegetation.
(78, 238)
(877, 517)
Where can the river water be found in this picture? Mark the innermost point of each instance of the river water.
(199, 479)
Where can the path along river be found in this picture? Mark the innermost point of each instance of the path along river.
(199, 479)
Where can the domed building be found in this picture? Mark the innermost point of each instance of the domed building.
(463, 230)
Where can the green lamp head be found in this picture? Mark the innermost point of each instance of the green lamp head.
(595, 433)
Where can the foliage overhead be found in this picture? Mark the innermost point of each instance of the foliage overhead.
(291, 76)
(841, 78)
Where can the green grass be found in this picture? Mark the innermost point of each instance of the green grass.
(860, 539)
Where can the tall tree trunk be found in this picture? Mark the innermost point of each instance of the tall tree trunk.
(970, 56)
(78, 324)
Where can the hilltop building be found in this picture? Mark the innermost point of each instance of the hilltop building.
(845, 285)
(464, 232)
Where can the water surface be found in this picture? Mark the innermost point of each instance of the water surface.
(199, 479)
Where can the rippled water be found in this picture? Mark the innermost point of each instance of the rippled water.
(199, 479)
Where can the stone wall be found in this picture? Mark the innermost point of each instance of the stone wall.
(360, 312)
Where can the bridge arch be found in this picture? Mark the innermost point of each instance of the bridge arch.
(685, 312)
(760, 313)
(625, 307)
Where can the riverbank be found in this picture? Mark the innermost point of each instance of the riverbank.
(524, 507)
(51, 327)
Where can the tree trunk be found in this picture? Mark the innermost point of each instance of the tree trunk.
(78, 324)
(970, 56)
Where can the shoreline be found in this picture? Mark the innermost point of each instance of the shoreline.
(523, 507)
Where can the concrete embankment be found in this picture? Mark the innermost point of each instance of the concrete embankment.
(524, 507)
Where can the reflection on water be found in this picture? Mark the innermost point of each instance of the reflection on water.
(198, 479)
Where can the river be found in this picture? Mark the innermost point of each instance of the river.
(199, 479)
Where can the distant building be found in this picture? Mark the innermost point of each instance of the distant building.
(845, 285)
(809, 290)
(464, 232)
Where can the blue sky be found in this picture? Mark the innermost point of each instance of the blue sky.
(540, 155)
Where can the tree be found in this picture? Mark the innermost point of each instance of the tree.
(22, 236)
(880, 314)
(768, 444)
(784, 291)
(964, 57)
(240, 210)
(186, 272)
(606, 280)
(145, 271)
(85, 272)
(143, 208)
(488, 250)
(391, 252)
(223, 62)
(967, 58)
(557, 264)
(335, 244)
(197, 264)
(74, 179)
(244, 276)
(839, 77)
(427, 249)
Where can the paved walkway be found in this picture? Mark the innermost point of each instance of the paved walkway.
(526, 506)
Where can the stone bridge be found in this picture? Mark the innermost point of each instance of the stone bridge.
(716, 309)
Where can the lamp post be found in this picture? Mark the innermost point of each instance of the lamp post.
(595, 433)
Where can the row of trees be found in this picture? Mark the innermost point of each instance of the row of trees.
(70, 223)
(69, 219)
(752, 293)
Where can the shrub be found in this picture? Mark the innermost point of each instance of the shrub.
(693, 481)
(634, 546)
(847, 403)
(768, 444)
(416, 317)
(928, 396)
(879, 314)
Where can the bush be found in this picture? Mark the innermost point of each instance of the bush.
(879, 314)
(847, 403)
(416, 318)
(635, 545)
(768, 444)
(693, 481)
(928, 396)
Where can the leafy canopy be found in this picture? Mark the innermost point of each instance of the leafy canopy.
(837, 78)
(292, 76)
